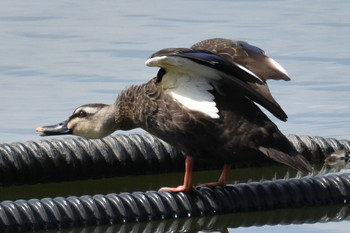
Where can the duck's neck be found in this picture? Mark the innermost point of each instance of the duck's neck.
(109, 116)
(131, 106)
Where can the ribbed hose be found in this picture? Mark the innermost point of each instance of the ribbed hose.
(61, 212)
(80, 158)
(316, 149)
(119, 155)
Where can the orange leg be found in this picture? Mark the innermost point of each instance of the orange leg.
(187, 185)
(222, 180)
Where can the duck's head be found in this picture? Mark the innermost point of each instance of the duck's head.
(89, 120)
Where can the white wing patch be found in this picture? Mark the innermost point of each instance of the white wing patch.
(193, 94)
(189, 83)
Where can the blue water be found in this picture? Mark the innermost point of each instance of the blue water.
(57, 55)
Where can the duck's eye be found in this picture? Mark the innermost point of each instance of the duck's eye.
(81, 114)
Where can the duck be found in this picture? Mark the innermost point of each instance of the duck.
(205, 100)
(337, 160)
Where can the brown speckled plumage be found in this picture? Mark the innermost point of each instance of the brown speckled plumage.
(241, 129)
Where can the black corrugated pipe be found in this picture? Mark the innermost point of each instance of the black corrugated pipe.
(61, 212)
(120, 155)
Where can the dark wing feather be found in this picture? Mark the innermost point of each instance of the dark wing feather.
(246, 55)
(238, 78)
(222, 64)
(250, 57)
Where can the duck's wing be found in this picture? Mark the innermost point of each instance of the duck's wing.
(190, 74)
(246, 55)
(250, 58)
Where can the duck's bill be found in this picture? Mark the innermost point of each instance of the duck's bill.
(59, 129)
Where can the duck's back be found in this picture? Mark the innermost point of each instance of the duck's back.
(243, 131)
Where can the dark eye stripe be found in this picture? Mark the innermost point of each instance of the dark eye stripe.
(82, 113)
(77, 115)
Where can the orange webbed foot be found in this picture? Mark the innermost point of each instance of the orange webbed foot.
(222, 180)
(187, 184)
(181, 188)
(211, 185)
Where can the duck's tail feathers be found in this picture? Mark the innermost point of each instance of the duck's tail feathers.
(294, 160)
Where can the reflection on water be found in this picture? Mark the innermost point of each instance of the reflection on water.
(58, 55)
(238, 222)
(136, 183)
